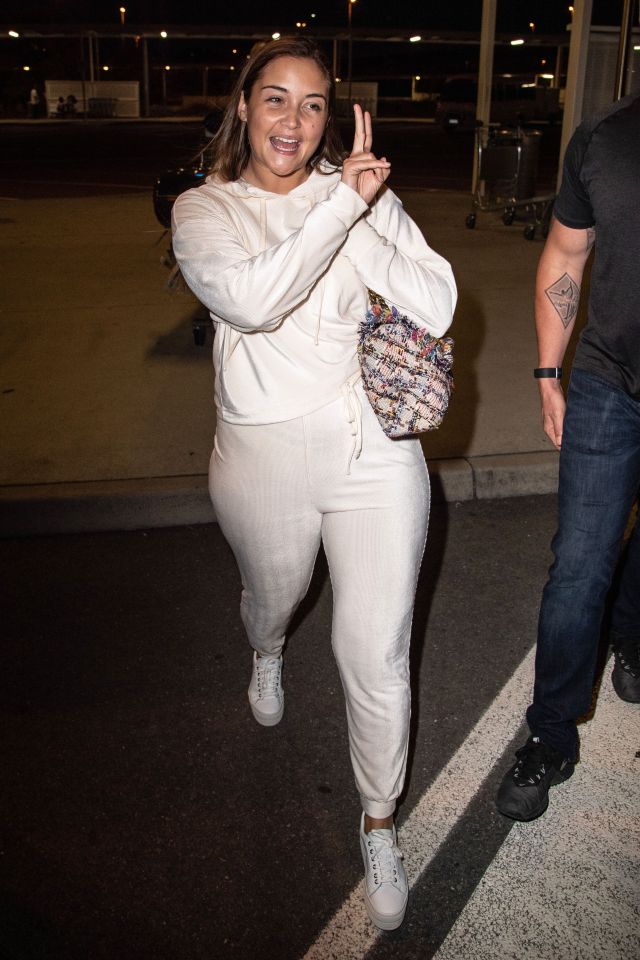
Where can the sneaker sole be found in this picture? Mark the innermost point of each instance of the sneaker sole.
(384, 922)
(267, 719)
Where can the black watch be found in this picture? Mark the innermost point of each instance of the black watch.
(551, 373)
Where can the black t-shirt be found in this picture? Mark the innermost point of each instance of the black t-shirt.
(601, 188)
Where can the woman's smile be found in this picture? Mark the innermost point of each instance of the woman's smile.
(285, 145)
(285, 115)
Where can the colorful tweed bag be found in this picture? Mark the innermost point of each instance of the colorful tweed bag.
(406, 372)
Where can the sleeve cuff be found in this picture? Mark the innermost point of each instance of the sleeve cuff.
(346, 204)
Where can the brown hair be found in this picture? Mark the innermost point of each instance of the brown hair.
(230, 146)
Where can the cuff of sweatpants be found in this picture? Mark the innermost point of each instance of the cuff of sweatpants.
(379, 809)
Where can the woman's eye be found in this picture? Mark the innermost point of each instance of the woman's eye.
(274, 100)
(315, 106)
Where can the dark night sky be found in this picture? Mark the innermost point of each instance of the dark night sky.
(550, 16)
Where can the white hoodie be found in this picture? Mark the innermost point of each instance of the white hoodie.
(285, 277)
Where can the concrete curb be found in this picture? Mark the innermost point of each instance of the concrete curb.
(33, 510)
(104, 505)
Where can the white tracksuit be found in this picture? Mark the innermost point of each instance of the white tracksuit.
(299, 456)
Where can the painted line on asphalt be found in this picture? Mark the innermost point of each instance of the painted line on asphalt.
(350, 934)
(566, 885)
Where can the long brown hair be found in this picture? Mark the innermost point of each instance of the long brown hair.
(230, 146)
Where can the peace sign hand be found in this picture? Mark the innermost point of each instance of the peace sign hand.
(362, 171)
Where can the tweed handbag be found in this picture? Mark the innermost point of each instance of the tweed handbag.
(406, 373)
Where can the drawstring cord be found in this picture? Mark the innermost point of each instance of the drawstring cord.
(321, 284)
(353, 410)
(263, 224)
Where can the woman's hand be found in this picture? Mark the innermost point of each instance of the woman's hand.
(362, 171)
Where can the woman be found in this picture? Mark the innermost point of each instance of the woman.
(281, 244)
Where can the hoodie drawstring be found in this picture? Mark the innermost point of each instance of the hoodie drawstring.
(263, 225)
(321, 284)
(353, 411)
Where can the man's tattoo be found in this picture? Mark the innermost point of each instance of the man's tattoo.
(564, 294)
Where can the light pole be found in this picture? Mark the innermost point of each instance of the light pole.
(350, 4)
(164, 84)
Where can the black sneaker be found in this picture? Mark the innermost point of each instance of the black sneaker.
(626, 669)
(524, 791)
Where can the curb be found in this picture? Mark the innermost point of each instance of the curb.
(43, 509)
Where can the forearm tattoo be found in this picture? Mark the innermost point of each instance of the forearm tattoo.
(591, 237)
(564, 294)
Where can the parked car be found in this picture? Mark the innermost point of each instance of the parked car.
(169, 185)
(515, 100)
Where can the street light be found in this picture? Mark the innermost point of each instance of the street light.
(123, 11)
(14, 33)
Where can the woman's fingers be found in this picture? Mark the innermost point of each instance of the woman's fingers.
(359, 163)
(359, 133)
(363, 133)
(368, 131)
(362, 170)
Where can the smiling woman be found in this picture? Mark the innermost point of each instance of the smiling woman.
(232, 148)
(286, 115)
(281, 244)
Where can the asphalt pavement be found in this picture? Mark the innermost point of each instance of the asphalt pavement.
(146, 816)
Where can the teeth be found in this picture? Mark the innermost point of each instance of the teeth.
(285, 140)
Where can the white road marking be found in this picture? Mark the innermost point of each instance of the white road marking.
(349, 934)
(566, 885)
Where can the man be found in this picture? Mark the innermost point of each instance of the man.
(598, 435)
(33, 106)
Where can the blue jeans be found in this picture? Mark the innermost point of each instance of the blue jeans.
(599, 481)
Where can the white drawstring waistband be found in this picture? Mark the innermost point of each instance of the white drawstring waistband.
(353, 410)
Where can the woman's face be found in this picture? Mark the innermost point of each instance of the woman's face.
(286, 114)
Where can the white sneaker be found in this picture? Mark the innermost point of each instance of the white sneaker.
(266, 696)
(386, 890)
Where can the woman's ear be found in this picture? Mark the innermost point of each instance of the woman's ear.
(242, 107)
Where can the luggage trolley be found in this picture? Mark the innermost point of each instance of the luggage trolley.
(506, 168)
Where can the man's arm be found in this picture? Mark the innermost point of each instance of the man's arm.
(557, 297)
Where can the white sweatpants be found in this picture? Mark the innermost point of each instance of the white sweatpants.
(278, 491)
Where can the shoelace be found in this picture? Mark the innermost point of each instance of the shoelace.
(532, 760)
(383, 852)
(628, 666)
(268, 676)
